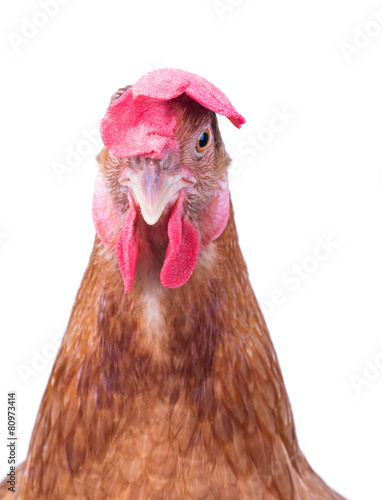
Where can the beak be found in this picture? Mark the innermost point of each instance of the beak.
(154, 188)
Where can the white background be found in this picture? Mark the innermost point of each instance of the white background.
(321, 176)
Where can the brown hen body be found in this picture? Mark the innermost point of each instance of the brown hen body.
(167, 393)
(191, 405)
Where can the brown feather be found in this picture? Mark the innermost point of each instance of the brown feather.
(193, 407)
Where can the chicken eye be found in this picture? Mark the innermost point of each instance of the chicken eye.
(203, 141)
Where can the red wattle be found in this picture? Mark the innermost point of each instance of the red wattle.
(127, 249)
(183, 248)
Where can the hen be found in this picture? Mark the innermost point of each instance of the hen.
(166, 385)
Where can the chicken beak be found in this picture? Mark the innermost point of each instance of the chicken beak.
(154, 188)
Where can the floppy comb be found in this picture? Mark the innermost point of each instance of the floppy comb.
(141, 120)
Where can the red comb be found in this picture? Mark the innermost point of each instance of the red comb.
(168, 83)
(142, 121)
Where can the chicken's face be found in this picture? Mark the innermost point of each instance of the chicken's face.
(162, 192)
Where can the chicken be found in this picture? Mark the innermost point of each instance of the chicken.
(166, 385)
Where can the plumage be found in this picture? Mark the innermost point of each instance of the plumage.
(161, 392)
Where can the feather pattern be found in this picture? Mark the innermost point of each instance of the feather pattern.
(167, 393)
(198, 412)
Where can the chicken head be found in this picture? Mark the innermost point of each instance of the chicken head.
(162, 192)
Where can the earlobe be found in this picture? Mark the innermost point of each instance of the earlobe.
(216, 214)
(106, 217)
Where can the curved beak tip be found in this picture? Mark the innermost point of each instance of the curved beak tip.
(154, 188)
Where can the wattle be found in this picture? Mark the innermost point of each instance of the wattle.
(181, 255)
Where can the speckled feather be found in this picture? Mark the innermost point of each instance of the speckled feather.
(168, 393)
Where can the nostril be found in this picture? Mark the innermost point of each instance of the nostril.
(147, 161)
(138, 161)
(168, 162)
